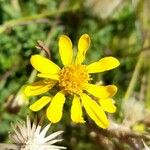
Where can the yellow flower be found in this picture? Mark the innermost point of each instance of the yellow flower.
(74, 79)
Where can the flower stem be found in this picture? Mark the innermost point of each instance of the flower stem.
(134, 77)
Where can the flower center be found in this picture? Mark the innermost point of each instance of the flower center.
(73, 79)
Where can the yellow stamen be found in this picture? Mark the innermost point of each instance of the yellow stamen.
(73, 79)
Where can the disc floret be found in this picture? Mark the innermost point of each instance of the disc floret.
(73, 79)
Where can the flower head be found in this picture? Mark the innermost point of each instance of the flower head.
(74, 79)
(29, 136)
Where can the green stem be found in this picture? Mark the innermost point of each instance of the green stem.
(32, 76)
(148, 89)
(134, 77)
(24, 20)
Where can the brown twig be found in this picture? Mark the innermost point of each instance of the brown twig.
(42, 46)
(122, 133)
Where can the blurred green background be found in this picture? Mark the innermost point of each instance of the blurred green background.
(118, 28)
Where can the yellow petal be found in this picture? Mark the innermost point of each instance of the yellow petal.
(107, 105)
(50, 76)
(104, 64)
(83, 45)
(44, 65)
(55, 109)
(65, 49)
(95, 111)
(76, 111)
(112, 90)
(39, 104)
(38, 87)
(101, 91)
